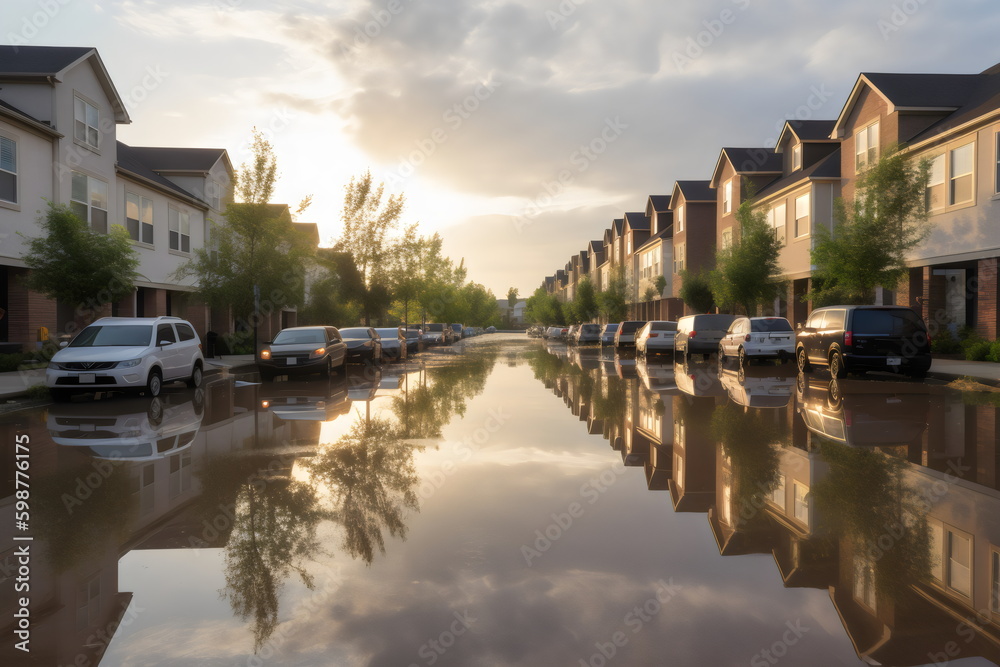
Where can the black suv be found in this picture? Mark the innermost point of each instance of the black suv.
(864, 338)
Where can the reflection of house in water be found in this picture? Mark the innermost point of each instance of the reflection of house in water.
(692, 488)
(91, 510)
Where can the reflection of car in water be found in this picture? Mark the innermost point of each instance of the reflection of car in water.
(863, 414)
(624, 366)
(363, 385)
(656, 377)
(306, 401)
(758, 386)
(134, 430)
(697, 378)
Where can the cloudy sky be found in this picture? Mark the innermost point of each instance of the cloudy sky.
(518, 129)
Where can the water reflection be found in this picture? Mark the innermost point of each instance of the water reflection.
(884, 493)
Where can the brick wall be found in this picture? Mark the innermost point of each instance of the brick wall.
(986, 298)
(27, 311)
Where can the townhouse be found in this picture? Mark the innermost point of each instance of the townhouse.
(950, 120)
(59, 114)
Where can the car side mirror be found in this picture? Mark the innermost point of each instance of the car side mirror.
(63, 343)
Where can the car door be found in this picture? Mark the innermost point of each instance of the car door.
(809, 335)
(171, 353)
(336, 347)
(832, 333)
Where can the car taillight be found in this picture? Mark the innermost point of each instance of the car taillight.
(691, 335)
(652, 335)
(747, 338)
(848, 338)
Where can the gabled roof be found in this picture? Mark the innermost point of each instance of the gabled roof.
(807, 131)
(607, 236)
(937, 92)
(747, 161)
(596, 246)
(693, 191)
(827, 168)
(182, 160)
(657, 203)
(637, 220)
(45, 63)
(617, 227)
(984, 100)
(130, 162)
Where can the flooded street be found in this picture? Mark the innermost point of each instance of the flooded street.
(510, 502)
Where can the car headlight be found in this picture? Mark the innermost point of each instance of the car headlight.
(265, 354)
(131, 363)
(319, 352)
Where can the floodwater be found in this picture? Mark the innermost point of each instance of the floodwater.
(507, 502)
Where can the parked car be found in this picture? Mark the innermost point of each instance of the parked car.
(436, 333)
(864, 338)
(588, 333)
(414, 340)
(363, 344)
(625, 335)
(700, 334)
(491, 329)
(393, 342)
(127, 353)
(457, 331)
(655, 336)
(469, 332)
(608, 333)
(571, 333)
(301, 351)
(758, 338)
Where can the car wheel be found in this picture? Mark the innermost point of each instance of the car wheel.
(154, 384)
(802, 361)
(742, 356)
(837, 368)
(60, 395)
(722, 354)
(197, 375)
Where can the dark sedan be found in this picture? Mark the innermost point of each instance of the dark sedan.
(363, 344)
(394, 343)
(302, 350)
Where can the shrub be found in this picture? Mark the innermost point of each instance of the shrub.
(994, 353)
(977, 350)
(945, 342)
(38, 392)
(10, 362)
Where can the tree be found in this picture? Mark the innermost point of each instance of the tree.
(612, 301)
(872, 234)
(696, 291)
(585, 304)
(336, 291)
(368, 224)
(73, 264)
(543, 308)
(746, 274)
(256, 245)
(512, 297)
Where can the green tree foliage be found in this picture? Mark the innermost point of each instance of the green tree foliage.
(512, 297)
(336, 292)
(696, 291)
(613, 301)
(543, 308)
(585, 304)
(746, 274)
(369, 220)
(872, 234)
(75, 265)
(256, 244)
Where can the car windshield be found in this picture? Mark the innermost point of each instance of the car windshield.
(435, 327)
(294, 337)
(663, 326)
(456, 327)
(356, 332)
(770, 324)
(901, 322)
(128, 335)
(591, 328)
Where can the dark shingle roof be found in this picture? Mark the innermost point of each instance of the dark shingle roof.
(984, 99)
(828, 167)
(925, 90)
(130, 160)
(179, 159)
(666, 232)
(812, 130)
(618, 225)
(38, 60)
(697, 190)
(753, 160)
(23, 116)
(637, 220)
(659, 202)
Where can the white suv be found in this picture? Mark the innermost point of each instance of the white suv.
(127, 353)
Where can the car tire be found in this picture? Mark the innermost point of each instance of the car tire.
(837, 368)
(197, 376)
(802, 360)
(154, 383)
(722, 354)
(742, 357)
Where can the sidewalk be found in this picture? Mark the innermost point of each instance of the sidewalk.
(17, 383)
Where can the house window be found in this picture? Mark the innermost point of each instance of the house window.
(139, 218)
(727, 197)
(864, 581)
(727, 238)
(180, 230)
(796, 157)
(801, 215)
(89, 200)
(8, 170)
(85, 122)
(776, 218)
(959, 564)
(778, 494)
(960, 189)
(866, 146)
(679, 257)
(935, 184)
(680, 214)
(995, 582)
(801, 502)
(678, 465)
(996, 173)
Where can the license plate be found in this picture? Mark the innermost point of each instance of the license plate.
(88, 378)
(292, 361)
(893, 361)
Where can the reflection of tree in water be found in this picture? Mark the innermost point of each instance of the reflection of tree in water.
(372, 482)
(865, 498)
(273, 531)
(81, 510)
(425, 408)
(750, 439)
